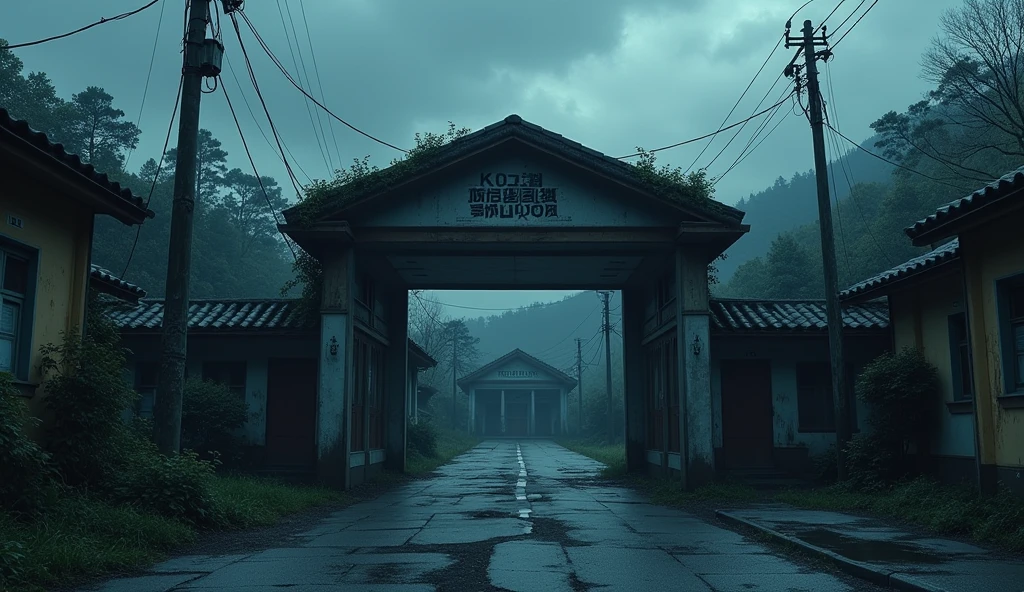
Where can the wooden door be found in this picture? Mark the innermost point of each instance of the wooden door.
(747, 415)
(291, 412)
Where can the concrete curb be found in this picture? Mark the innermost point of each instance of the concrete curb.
(865, 571)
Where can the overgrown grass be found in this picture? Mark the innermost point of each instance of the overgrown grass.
(449, 445)
(251, 501)
(613, 456)
(957, 511)
(81, 537)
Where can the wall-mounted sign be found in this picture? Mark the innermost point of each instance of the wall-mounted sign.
(15, 221)
(518, 196)
(517, 373)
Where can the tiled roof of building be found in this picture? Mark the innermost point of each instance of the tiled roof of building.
(108, 283)
(998, 189)
(916, 266)
(516, 353)
(744, 316)
(218, 315)
(22, 130)
(514, 126)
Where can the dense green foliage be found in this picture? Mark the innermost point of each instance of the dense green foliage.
(24, 466)
(965, 134)
(211, 418)
(235, 225)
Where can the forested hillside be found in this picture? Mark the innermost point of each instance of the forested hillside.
(966, 133)
(242, 253)
(790, 203)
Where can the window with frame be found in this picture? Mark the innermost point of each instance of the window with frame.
(1014, 326)
(229, 374)
(816, 410)
(14, 290)
(960, 357)
(146, 378)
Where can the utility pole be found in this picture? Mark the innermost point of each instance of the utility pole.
(455, 373)
(605, 295)
(808, 43)
(199, 61)
(579, 380)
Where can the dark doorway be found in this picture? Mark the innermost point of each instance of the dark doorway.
(291, 413)
(747, 415)
(517, 413)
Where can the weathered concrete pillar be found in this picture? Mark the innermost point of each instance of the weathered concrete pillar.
(503, 412)
(414, 396)
(532, 428)
(632, 378)
(396, 377)
(697, 449)
(563, 411)
(472, 411)
(334, 399)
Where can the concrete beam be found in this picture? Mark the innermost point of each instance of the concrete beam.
(397, 381)
(633, 373)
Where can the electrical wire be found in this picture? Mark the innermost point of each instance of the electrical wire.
(238, 85)
(149, 76)
(305, 72)
(266, 111)
(156, 176)
(705, 136)
(746, 151)
(893, 163)
(571, 333)
(102, 21)
(319, 81)
(284, 71)
(255, 172)
(849, 16)
(737, 103)
(854, 25)
(298, 72)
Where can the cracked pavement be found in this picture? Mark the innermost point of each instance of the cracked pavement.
(518, 516)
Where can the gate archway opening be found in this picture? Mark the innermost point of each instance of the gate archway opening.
(510, 207)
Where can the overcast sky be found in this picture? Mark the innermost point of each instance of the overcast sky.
(612, 74)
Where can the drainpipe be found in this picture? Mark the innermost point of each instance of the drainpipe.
(970, 370)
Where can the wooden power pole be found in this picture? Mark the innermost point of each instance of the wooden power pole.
(605, 295)
(808, 44)
(198, 62)
(455, 373)
(579, 381)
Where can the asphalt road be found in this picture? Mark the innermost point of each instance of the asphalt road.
(522, 516)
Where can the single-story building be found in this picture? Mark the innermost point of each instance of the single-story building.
(49, 203)
(962, 305)
(518, 395)
(770, 380)
(269, 353)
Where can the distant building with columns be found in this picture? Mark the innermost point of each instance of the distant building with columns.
(518, 395)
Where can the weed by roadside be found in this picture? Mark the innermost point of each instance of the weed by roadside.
(953, 511)
(613, 456)
(442, 446)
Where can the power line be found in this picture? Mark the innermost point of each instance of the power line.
(849, 16)
(295, 62)
(259, 179)
(737, 104)
(102, 21)
(705, 136)
(305, 72)
(238, 84)
(256, 87)
(284, 71)
(316, 70)
(893, 163)
(156, 175)
(149, 75)
(854, 25)
(747, 150)
(573, 332)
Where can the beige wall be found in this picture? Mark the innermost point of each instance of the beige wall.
(920, 319)
(993, 253)
(60, 232)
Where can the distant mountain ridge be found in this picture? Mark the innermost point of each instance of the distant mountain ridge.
(789, 204)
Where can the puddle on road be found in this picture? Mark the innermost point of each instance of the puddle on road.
(488, 514)
(867, 550)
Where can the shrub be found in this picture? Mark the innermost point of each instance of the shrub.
(826, 467)
(900, 389)
(24, 467)
(178, 486)
(422, 439)
(210, 416)
(87, 396)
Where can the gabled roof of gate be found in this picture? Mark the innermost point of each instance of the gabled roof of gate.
(515, 128)
(517, 354)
